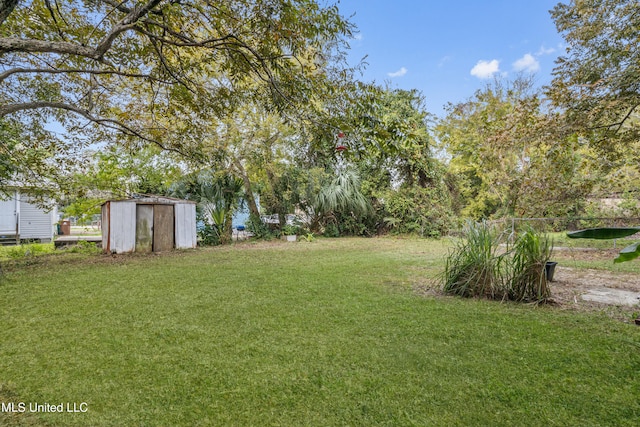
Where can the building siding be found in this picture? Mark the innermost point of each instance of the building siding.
(122, 227)
(35, 222)
(185, 226)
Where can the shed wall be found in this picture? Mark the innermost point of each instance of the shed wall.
(185, 217)
(122, 226)
(121, 219)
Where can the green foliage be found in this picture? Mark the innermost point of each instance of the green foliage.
(630, 252)
(258, 229)
(627, 254)
(290, 230)
(309, 238)
(596, 80)
(163, 79)
(83, 209)
(26, 250)
(474, 267)
(28, 153)
(423, 211)
(527, 281)
(331, 230)
(209, 235)
(604, 233)
(510, 157)
(217, 195)
(342, 194)
(84, 247)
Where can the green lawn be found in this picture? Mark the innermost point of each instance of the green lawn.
(327, 333)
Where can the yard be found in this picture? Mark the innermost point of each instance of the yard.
(333, 332)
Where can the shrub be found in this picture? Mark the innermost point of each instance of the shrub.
(27, 250)
(331, 230)
(527, 276)
(84, 247)
(209, 235)
(473, 268)
(423, 211)
(259, 229)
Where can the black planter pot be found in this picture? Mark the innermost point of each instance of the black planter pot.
(549, 269)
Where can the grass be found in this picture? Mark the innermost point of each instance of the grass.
(319, 334)
(561, 239)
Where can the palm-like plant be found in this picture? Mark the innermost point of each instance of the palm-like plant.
(217, 195)
(342, 194)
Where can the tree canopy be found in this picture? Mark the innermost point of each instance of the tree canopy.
(598, 80)
(510, 158)
(149, 72)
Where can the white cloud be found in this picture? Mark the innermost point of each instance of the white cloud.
(545, 51)
(401, 72)
(527, 63)
(444, 60)
(486, 69)
(357, 36)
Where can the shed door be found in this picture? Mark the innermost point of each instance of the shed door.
(163, 228)
(144, 228)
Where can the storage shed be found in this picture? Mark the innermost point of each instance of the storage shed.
(148, 224)
(23, 220)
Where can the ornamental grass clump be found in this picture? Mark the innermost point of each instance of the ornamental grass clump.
(473, 268)
(527, 281)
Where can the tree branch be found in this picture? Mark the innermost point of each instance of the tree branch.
(10, 44)
(619, 124)
(9, 73)
(109, 123)
(128, 23)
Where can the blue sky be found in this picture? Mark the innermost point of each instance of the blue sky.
(448, 49)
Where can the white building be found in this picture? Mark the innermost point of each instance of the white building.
(23, 220)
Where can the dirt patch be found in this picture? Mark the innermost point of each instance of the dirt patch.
(588, 287)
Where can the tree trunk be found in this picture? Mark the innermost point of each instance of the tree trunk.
(282, 215)
(251, 200)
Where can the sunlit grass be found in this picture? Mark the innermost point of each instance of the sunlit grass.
(325, 333)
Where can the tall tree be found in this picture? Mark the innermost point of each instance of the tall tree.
(598, 80)
(152, 71)
(509, 157)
